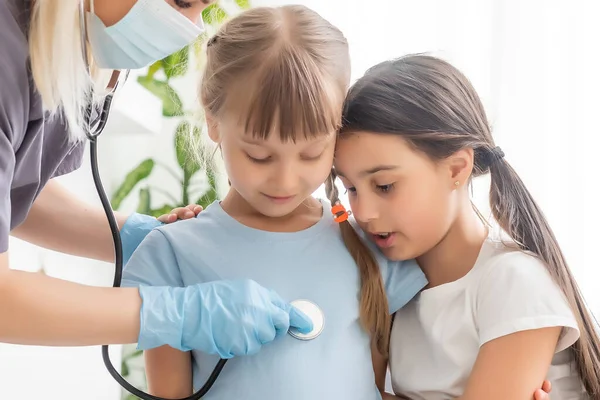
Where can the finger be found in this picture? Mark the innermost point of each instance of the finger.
(191, 207)
(277, 301)
(281, 322)
(297, 318)
(176, 211)
(195, 208)
(167, 218)
(547, 386)
(541, 395)
(184, 213)
(300, 321)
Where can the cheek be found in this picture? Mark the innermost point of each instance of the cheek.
(240, 170)
(318, 172)
(423, 210)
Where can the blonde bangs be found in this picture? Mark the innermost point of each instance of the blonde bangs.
(288, 94)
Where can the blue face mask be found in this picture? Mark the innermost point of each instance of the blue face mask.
(150, 31)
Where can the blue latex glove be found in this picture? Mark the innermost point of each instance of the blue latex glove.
(134, 231)
(228, 318)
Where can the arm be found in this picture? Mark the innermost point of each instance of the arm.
(39, 310)
(169, 372)
(512, 367)
(491, 363)
(61, 222)
(523, 319)
(493, 360)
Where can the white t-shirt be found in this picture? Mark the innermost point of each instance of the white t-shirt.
(436, 337)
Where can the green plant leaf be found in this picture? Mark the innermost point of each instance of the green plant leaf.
(134, 354)
(176, 64)
(124, 369)
(132, 397)
(187, 163)
(153, 69)
(243, 4)
(139, 173)
(172, 105)
(214, 15)
(144, 201)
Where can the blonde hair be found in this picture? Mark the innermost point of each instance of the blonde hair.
(59, 69)
(278, 68)
(287, 69)
(374, 308)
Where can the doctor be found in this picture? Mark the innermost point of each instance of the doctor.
(43, 86)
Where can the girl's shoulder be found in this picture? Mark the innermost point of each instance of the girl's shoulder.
(514, 290)
(500, 257)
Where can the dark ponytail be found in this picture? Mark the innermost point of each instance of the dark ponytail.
(519, 215)
(434, 107)
(374, 309)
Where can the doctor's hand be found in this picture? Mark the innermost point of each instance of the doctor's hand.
(137, 226)
(178, 213)
(543, 393)
(228, 318)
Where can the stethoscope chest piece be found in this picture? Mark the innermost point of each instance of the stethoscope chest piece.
(315, 314)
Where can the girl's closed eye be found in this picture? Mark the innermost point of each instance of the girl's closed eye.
(312, 157)
(258, 160)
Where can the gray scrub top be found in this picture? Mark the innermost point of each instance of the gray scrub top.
(33, 149)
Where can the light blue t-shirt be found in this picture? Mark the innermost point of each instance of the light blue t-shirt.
(311, 264)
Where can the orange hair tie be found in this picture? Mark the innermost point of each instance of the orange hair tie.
(340, 213)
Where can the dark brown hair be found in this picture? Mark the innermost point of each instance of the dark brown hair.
(435, 108)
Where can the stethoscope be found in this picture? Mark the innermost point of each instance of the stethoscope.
(93, 129)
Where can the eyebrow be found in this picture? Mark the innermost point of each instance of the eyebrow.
(371, 171)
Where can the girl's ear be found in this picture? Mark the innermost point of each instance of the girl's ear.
(460, 166)
(213, 128)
